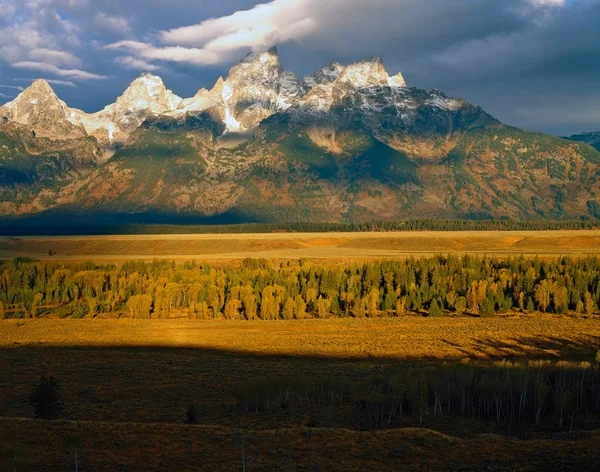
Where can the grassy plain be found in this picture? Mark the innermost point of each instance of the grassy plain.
(127, 384)
(281, 246)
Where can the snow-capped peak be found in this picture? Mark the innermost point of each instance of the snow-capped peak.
(148, 92)
(255, 88)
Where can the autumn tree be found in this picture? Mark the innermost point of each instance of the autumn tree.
(289, 309)
(300, 309)
(139, 306)
(460, 305)
(400, 308)
(323, 307)
(588, 302)
(37, 299)
(232, 309)
(542, 294)
(372, 302)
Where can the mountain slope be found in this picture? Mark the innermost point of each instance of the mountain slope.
(349, 143)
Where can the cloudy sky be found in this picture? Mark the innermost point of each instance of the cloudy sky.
(531, 63)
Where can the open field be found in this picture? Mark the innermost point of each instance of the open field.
(126, 385)
(412, 337)
(281, 246)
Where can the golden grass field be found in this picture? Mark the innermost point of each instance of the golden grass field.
(277, 246)
(126, 385)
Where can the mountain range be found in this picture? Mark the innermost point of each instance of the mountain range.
(346, 144)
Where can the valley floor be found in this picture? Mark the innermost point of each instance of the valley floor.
(282, 246)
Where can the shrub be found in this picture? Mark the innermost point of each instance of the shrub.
(46, 399)
(434, 309)
(191, 414)
(487, 308)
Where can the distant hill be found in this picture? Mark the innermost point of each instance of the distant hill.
(593, 139)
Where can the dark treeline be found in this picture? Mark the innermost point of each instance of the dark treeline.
(540, 393)
(13, 228)
(260, 289)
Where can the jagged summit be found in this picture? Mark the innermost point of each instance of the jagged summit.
(41, 85)
(255, 88)
(38, 107)
(146, 96)
(270, 54)
(147, 92)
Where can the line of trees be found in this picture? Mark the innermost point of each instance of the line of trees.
(44, 227)
(295, 290)
(537, 393)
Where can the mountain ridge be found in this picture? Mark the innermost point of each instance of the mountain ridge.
(346, 144)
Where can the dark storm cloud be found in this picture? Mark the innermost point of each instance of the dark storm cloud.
(531, 63)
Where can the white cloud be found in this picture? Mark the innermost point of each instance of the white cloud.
(258, 27)
(5, 96)
(40, 38)
(215, 40)
(70, 73)
(174, 53)
(114, 24)
(65, 83)
(6, 11)
(15, 87)
(548, 3)
(135, 63)
(56, 58)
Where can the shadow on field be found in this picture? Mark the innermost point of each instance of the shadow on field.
(525, 348)
(258, 411)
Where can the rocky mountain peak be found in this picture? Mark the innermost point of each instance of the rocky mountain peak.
(146, 96)
(270, 56)
(148, 92)
(255, 88)
(37, 94)
(39, 107)
(263, 67)
(40, 86)
(397, 81)
(324, 75)
(366, 73)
